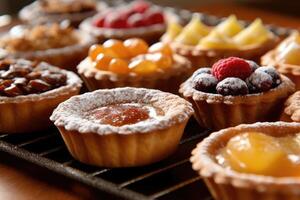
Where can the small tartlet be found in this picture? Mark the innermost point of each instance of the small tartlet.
(229, 184)
(168, 80)
(291, 112)
(122, 146)
(40, 12)
(30, 112)
(66, 57)
(290, 70)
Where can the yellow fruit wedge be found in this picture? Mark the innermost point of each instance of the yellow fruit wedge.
(229, 27)
(290, 54)
(255, 33)
(173, 30)
(193, 31)
(216, 40)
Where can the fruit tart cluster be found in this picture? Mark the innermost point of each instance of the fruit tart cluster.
(23, 78)
(259, 153)
(204, 45)
(285, 57)
(131, 56)
(235, 76)
(136, 14)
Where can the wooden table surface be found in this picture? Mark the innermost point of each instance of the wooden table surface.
(15, 181)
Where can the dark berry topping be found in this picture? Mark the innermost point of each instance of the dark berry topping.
(232, 86)
(205, 82)
(204, 70)
(259, 82)
(253, 65)
(273, 73)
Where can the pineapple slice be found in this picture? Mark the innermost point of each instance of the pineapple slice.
(255, 33)
(258, 153)
(290, 54)
(174, 28)
(229, 27)
(216, 40)
(193, 32)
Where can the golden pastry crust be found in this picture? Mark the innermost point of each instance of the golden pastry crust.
(228, 184)
(201, 57)
(66, 57)
(168, 80)
(28, 113)
(128, 145)
(292, 108)
(215, 111)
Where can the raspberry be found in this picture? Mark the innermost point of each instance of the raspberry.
(232, 86)
(205, 82)
(136, 20)
(259, 82)
(231, 67)
(140, 6)
(273, 73)
(155, 16)
(115, 21)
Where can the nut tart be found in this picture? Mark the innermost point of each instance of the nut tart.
(29, 92)
(292, 107)
(285, 57)
(57, 44)
(122, 127)
(56, 11)
(256, 161)
(133, 63)
(236, 91)
(136, 19)
(203, 45)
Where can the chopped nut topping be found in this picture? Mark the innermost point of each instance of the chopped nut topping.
(67, 6)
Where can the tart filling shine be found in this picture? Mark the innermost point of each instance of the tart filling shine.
(124, 114)
(259, 153)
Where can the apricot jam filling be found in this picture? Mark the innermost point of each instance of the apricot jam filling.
(262, 154)
(124, 114)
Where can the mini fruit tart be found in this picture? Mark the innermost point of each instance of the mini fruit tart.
(257, 161)
(236, 91)
(29, 92)
(45, 11)
(133, 63)
(286, 58)
(137, 19)
(122, 127)
(204, 45)
(56, 44)
(291, 111)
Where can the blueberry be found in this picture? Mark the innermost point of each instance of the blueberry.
(205, 82)
(204, 70)
(253, 65)
(259, 81)
(232, 86)
(273, 73)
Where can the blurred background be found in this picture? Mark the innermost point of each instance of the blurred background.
(289, 7)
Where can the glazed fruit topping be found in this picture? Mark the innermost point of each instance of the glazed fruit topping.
(136, 14)
(131, 56)
(259, 153)
(235, 76)
(120, 114)
(24, 77)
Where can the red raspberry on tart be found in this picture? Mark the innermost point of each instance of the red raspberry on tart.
(138, 19)
(133, 62)
(236, 91)
(29, 92)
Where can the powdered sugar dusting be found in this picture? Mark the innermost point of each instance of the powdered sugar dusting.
(69, 114)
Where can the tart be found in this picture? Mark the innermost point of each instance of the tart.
(285, 57)
(291, 110)
(257, 161)
(122, 127)
(56, 11)
(236, 91)
(204, 45)
(29, 92)
(56, 44)
(133, 63)
(137, 19)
